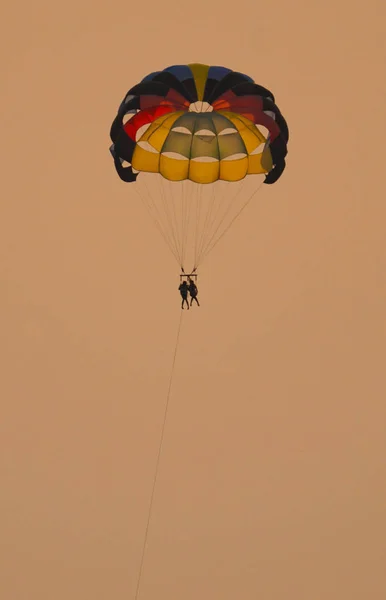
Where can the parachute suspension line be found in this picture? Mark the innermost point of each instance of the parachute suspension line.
(183, 222)
(189, 215)
(215, 209)
(212, 216)
(148, 205)
(169, 217)
(198, 216)
(231, 201)
(158, 459)
(175, 215)
(189, 195)
(209, 210)
(167, 209)
(199, 229)
(223, 207)
(210, 205)
(234, 218)
(169, 238)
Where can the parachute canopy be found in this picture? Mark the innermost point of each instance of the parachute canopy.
(197, 124)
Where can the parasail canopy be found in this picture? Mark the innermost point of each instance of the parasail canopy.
(192, 140)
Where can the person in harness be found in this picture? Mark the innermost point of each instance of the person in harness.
(193, 291)
(184, 294)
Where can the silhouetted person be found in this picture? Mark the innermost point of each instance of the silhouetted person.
(193, 291)
(184, 294)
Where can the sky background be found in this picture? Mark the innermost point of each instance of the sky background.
(272, 482)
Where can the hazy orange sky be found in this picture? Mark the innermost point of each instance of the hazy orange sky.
(272, 483)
